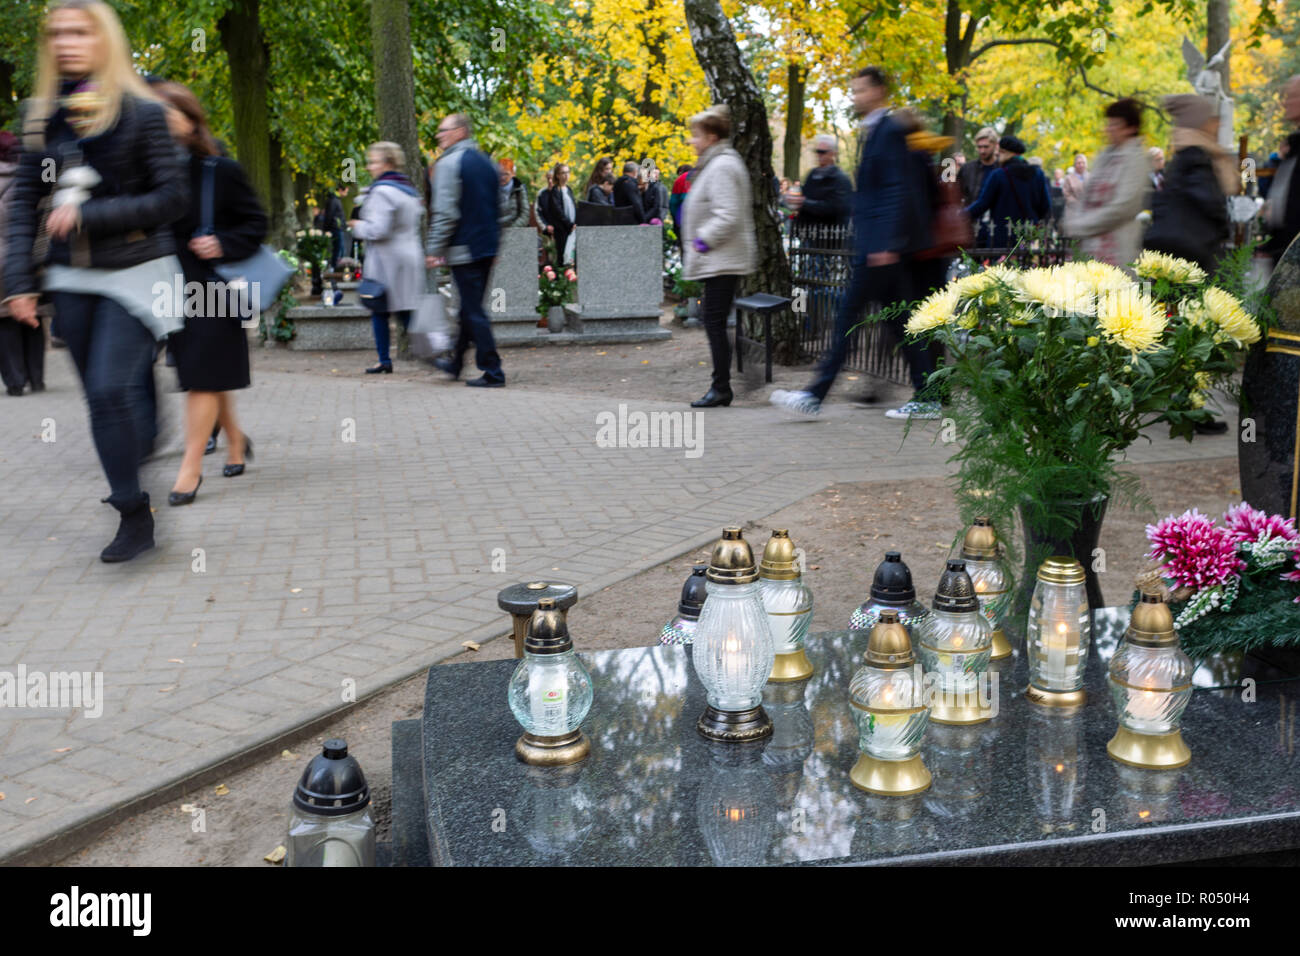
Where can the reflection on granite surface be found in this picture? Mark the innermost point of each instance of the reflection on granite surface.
(1027, 786)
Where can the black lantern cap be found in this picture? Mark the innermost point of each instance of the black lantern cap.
(956, 590)
(893, 581)
(333, 783)
(548, 631)
(693, 593)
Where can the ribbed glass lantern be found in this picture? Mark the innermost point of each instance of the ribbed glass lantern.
(888, 709)
(987, 567)
(955, 642)
(1058, 634)
(1150, 682)
(789, 605)
(733, 650)
(550, 692)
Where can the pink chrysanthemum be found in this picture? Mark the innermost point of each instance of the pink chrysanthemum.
(1196, 552)
(1245, 523)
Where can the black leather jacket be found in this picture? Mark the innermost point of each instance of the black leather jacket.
(127, 218)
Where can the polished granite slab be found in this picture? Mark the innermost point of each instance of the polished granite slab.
(1028, 787)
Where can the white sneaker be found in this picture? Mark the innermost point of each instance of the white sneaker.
(801, 403)
(917, 410)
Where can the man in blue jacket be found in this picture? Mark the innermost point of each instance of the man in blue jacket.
(464, 232)
(880, 234)
(1015, 192)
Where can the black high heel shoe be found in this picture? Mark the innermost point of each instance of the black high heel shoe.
(233, 471)
(184, 497)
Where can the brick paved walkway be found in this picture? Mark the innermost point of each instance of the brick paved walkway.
(333, 568)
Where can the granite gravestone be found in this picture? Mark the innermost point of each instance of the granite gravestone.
(511, 298)
(620, 284)
(1268, 456)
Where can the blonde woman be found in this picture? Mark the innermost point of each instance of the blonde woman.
(390, 226)
(106, 242)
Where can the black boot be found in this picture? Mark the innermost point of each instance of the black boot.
(712, 398)
(134, 534)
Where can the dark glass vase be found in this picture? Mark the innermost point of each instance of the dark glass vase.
(1080, 545)
(317, 286)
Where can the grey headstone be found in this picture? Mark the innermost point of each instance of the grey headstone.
(323, 328)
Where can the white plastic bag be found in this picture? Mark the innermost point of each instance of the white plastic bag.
(430, 330)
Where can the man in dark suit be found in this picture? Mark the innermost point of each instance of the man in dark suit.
(881, 236)
(627, 191)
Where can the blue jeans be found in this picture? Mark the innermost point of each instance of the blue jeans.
(379, 323)
(475, 326)
(114, 354)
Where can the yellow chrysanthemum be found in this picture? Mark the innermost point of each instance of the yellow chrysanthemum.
(977, 283)
(1196, 399)
(1157, 265)
(1202, 380)
(1058, 289)
(935, 311)
(1100, 277)
(1093, 341)
(1128, 318)
(1230, 316)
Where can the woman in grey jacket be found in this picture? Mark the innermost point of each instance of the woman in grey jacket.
(718, 242)
(394, 256)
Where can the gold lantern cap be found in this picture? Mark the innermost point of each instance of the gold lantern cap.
(779, 561)
(1061, 569)
(548, 631)
(956, 590)
(981, 541)
(889, 646)
(1152, 623)
(732, 561)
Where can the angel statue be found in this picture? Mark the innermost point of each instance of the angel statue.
(1207, 81)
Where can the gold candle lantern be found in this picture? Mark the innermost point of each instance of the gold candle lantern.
(1150, 681)
(789, 604)
(1058, 634)
(891, 718)
(982, 552)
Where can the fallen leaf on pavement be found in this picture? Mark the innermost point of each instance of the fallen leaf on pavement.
(62, 750)
(470, 644)
(29, 800)
(174, 660)
(294, 590)
(288, 755)
(187, 808)
(221, 790)
(276, 855)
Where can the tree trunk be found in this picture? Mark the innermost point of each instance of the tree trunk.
(390, 35)
(1218, 30)
(8, 108)
(658, 58)
(796, 82)
(731, 83)
(241, 36)
(284, 223)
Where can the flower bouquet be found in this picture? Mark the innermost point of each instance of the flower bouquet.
(1233, 586)
(313, 246)
(1054, 372)
(554, 289)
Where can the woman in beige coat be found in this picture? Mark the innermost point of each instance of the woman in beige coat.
(1105, 218)
(718, 240)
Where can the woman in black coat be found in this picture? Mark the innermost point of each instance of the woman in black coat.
(212, 350)
(556, 211)
(108, 243)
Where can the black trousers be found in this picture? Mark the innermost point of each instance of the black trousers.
(719, 294)
(22, 354)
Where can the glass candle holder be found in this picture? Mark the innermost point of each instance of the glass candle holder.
(986, 565)
(891, 588)
(955, 642)
(733, 650)
(330, 822)
(886, 702)
(681, 629)
(789, 605)
(1150, 681)
(550, 692)
(1058, 634)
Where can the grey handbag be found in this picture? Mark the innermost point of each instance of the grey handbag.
(264, 271)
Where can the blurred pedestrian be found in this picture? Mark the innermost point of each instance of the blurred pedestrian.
(676, 198)
(1156, 158)
(465, 233)
(881, 234)
(1282, 211)
(224, 223)
(519, 212)
(22, 344)
(627, 191)
(604, 167)
(1116, 191)
(106, 243)
(1075, 180)
(390, 226)
(1189, 217)
(718, 246)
